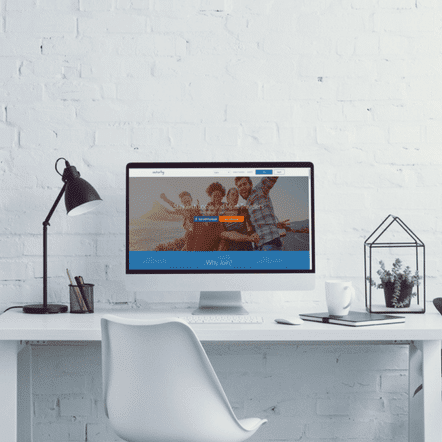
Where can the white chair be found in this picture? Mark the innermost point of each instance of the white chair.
(159, 385)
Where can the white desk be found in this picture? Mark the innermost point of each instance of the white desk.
(422, 331)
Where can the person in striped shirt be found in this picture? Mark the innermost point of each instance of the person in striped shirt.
(261, 211)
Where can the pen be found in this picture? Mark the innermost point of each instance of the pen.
(80, 299)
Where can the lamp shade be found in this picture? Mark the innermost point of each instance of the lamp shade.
(80, 197)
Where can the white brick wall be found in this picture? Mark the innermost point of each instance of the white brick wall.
(353, 86)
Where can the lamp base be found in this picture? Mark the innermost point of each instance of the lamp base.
(41, 309)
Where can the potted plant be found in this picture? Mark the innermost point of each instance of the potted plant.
(397, 284)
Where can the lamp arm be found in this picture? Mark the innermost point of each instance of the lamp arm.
(45, 246)
(54, 206)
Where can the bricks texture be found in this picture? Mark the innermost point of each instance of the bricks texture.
(353, 86)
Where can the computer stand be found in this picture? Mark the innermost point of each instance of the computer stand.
(220, 303)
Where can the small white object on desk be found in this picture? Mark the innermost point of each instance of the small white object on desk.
(290, 321)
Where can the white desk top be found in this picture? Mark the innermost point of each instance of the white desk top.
(16, 325)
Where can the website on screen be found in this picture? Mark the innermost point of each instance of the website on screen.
(220, 214)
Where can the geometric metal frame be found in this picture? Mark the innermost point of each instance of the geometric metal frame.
(373, 242)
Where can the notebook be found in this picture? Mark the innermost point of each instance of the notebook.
(353, 319)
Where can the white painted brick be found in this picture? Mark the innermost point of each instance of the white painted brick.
(215, 5)
(433, 133)
(58, 5)
(151, 136)
(204, 112)
(372, 134)
(393, 90)
(37, 136)
(64, 45)
(399, 406)
(260, 112)
(75, 406)
(20, 5)
(112, 135)
(60, 245)
(136, 67)
(341, 428)
(150, 90)
(112, 112)
(222, 90)
(263, 134)
(101, 433)
(222, 136)
(10, 247)
(59, 431)
(133, 4)
(110, 247)
(7, 136)
(40, 23)
(406, 21)
(354, 90)
(105, 67)
(334, 134)
(46, 408)
(362, 4)
(132, 24)
(166, 45)
(13, 270)
(393, 45)
(96, 5)
(335, 407)
(108, 91)
(19, 92)
(405, 134)
(398, 112)
(40, 113)
(16, 44)
(185, 136)
(367, 44)
(397, 4)
(394, 382)
(9, 68)
(73, 90)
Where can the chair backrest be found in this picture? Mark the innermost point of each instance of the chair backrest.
(159, 385)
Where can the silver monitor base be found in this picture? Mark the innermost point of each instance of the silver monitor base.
(220, 303)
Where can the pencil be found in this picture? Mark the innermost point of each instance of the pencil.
(80, 299)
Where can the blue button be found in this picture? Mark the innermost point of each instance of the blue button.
(264, 172)
(204, 219)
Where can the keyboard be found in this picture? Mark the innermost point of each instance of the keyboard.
(223, 319)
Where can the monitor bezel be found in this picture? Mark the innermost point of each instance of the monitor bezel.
(220, 165)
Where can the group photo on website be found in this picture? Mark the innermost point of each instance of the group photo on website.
(238, 213)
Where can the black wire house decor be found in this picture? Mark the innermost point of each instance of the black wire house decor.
(394, 264)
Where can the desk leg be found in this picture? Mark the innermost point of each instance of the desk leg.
(424, 409)
(8, 389)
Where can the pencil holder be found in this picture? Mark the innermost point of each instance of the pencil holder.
(77, 306)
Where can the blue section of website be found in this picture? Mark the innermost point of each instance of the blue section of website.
(275, 260)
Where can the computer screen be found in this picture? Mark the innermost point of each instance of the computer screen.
(227, 223)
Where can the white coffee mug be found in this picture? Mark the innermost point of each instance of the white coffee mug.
(339, 295)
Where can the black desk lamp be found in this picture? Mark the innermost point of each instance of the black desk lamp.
(80, 197)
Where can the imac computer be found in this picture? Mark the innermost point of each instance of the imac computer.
(219, 228)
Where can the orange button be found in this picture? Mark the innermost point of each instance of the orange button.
(231, 219)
